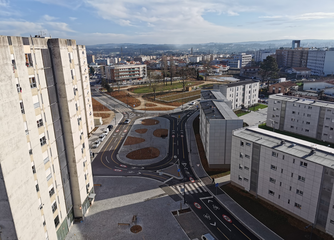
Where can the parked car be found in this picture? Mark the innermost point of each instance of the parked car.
(127, 121)
(106, 131)
(207, 236)
(110, 127)
(102, 137)
(96, 143)
(192, 103)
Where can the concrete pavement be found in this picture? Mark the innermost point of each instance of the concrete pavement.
(255, 118)
(236, 210)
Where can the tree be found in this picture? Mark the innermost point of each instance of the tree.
(269, 69)
(172, 69)
(206, 66)
(105, 84)
(164, 66)
(91, 70)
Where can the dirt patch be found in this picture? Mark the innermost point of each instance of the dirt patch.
(156, 109)
(126, 98)
(136, 229)
(97, 106)
(133, 140)
(150, 105)
(107, 117)
(144, 153)
(149, 122)
(160, 132)
(102, 115)
(141, 130)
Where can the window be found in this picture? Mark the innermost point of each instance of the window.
(274, 154)
(299, 192)
(54, 206)
(308, 115)
(28, 60)
(246, 168)
(272, 180)
(239, 177)
(33, 169)
(309, 107)
(241, 143)
(307, 130)
(32, 81)
(42, 141)
(293, 161)
(40, 123)
(46, 160)
(303, 164)
(248, 144)
(35, 101)
(240, 166)
(308, 123)
(297, 205)
(22, 107)
(74, 91)
(271, 192)
(51, 192)
(241, 155)
(300, 178)
(288, 201)
(56, 221)
(37, 187)
(272, 167)
(76, 107)
(293, 112)
(247, 156)
(246, 179)
(282, 170)
(280, 184)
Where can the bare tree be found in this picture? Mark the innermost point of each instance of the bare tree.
(172, 69)
(165, 67)
(206, 66)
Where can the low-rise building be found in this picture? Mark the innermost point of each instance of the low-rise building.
(217, 121)
(307, 117)
(289, 173)
(318, 85)
(300, 71)
(126, 72)
(243, 93)
(282, 87)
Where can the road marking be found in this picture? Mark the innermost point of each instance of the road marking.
(191, 180)
(192, 187)
(188, 188)
(198, 188)
(241, 232)
(223, 233)
(216, 216)
(168, 179)
(197, 205)
(107, 159)
(227, 218)
(213, 224)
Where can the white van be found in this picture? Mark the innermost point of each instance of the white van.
(207, 236)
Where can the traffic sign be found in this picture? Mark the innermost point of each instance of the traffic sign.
(178, 170)
(123, 166)
(191, 179)
(227, 218)
(216, 185)
(197, 205)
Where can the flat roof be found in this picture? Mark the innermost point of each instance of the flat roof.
(301, 100)
(217, 110)
(212, 94)
(241, 83)
(292, 146)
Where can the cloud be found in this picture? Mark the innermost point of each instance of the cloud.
(60, 26)
(123, 22)
(304, 16)
(72, 4)
(73, 18)
(48, 18)
(231, 13)
(4, 3)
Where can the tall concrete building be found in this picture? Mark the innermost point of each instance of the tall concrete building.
(286, 172)
(289, 58)
(245, 59)
(243, 93)
(307, 117)
(321, 62)
(46, 115)
(217, 121)
(126, 72)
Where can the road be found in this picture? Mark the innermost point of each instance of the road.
(217, 218)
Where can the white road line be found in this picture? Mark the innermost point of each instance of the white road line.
(189, 189)
(194, 189)
(201, 184)
(168, 179)
(198, 187)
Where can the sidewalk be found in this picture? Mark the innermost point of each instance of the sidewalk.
(238, 212)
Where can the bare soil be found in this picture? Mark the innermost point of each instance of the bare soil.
(160, 133)
(150, 104)
(149, 122)
(107, 117)
(126, 98)
(133, 140)
(141, 130)
(136, 229)
(144, 153)
(97, 106)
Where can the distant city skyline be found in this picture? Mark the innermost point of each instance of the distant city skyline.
(170, 22)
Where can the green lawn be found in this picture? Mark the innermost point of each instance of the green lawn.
(240, 113)
(264, 126)
(162, 87)
(257, 107)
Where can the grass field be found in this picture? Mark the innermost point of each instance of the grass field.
(257, 107)
(162, 87)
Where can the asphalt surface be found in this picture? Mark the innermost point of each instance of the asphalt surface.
(216, 217)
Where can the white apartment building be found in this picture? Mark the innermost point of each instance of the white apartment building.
(234, 63)
(307, 117)
(126, 72)
(217, 121)
(245, 59)
(321, 62)
(244, 93)
(286, 172)
(195, 59)
(318, 85)
(46, 114)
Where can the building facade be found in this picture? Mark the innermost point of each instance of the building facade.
(288, 58)
(307, 117)
(321, 62)
(245, 59)
(217, 121)
(46, 114)
(260, 55)
(126, 72)
(286, 172)
(243, 93)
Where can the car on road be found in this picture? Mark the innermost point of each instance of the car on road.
(193, 103)
(110, 127)
(96, 143)
(127, 121)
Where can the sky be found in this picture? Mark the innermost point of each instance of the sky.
(168, 21)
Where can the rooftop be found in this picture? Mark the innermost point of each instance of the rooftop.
(241, 83)
(212, 94)
(292, 146)
(305, 101)
(301, 69)
(217, 110)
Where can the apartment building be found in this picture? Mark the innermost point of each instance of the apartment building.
(217, 121)
(46, 115)
(321, 62)
(243, 93)
(289, 58)
(307, 117)
(260, 55)
(126, 72)
(287, 172)
(245, 59)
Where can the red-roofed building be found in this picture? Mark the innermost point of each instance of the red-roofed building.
(283, 87)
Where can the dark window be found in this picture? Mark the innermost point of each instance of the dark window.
(56, 221)
(9, 40)
(22, 107)
(40, 123)
(37, 188)
(33, 169)
(42, 141)
(32, 81)
(51, 192)
(28, 60)
(54, 208)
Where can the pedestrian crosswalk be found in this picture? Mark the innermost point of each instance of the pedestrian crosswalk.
(190, 188)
